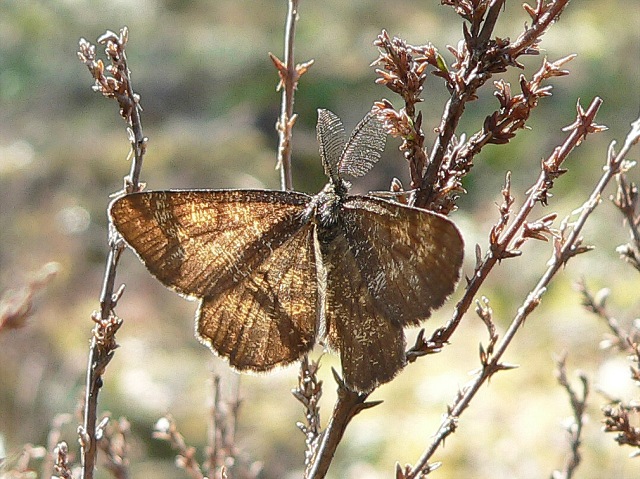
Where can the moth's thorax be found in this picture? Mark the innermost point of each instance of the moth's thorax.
(327, 206)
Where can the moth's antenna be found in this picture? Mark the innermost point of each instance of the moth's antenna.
(364, 147)
(332, 139)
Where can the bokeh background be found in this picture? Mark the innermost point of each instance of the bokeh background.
(210, 105)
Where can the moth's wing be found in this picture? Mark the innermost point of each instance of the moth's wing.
(410, 259)
(269, 318)
(331, 138)
(371, 347)
(248, 254)
(202, 242)
(364, 146)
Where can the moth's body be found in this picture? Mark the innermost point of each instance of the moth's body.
(277, 272)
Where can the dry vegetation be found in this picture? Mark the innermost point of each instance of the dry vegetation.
(439, 162)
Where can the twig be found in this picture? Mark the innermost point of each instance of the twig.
(290, 74)
(595, 303)
(116, 84)
(16, 305)
(348, 405)
(61, 462)
(565, 247)
(309, 392)
(578, 406)
(403, 71)
(213, 429)
(616, 419)
(112, 441)
(501, 236)
(57, 450)
(478, 59)
(627, 200)
(166, 430)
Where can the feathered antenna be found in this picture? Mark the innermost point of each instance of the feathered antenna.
(332, 139)
(364, 147)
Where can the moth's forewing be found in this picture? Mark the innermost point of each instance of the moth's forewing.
(236, 249)
(371, 346)
(270, 317)
(410, 259)
(202, 242)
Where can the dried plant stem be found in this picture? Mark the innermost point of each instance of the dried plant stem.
(595, 304)
(213, 431)
(103, 344)
(308, 393)
(565, 248)
(472, 76)
(500, 248)
(286, 112)
(166, 429)
(578, 406)
(289, 74)
(626, 205)
(348, 405)
(542, 20)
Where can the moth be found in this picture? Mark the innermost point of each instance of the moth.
(276, 272)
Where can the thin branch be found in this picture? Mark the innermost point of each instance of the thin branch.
(56, 449)
(503, 236)
(166, 429)
(61, 466)
(617, 419)
(595, 303)
(565, 248)
(627, 200)
(112, 441)
(308, 393)
(213, 429)
(477, 60)
(116, 83)
(578, 407)
(542, 18)
(290, 74)
(348, 405)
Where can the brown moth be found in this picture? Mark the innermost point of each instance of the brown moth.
(278, 271)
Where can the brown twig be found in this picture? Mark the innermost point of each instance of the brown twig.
(112, 441)
(116, 83)
(167, 430)
(57, 450)
(620, 416)
(16, 305)
(627, 200)
(308, 393)
(290, 74)
(213, 430)
(566, 246)
(61, 466)
(503, 237)
(617, 419)
(223, 459)
(403, 71)
(578, 407)
(477, 59)
(596, 303)
(348, 405)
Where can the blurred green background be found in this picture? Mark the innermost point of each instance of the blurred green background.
(210, 105)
